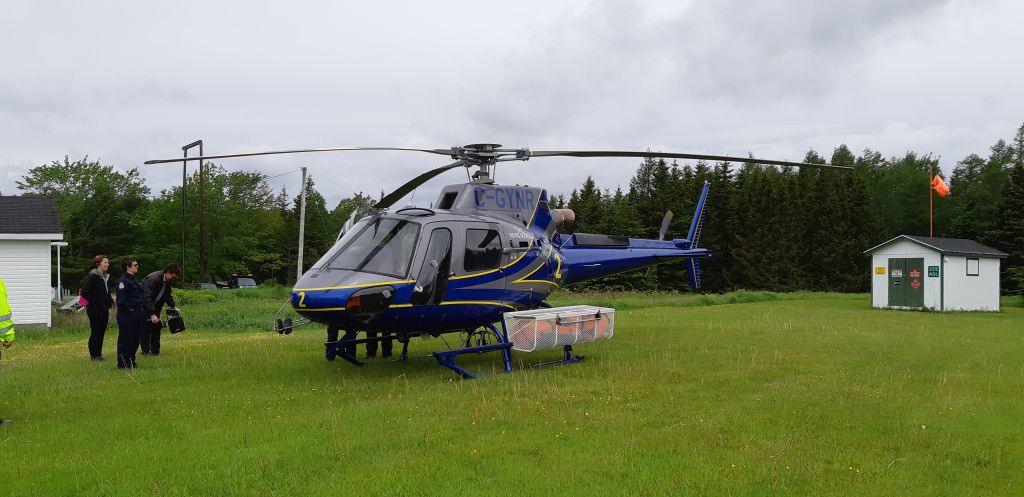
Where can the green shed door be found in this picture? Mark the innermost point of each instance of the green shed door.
(915, 282)
(906, 282)
(897, 282)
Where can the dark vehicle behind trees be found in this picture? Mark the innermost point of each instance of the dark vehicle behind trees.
(241, 282)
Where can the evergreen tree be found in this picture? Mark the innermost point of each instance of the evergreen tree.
(587, 206)
(1008, 235)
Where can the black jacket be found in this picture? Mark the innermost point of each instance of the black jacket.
(129, 292)
(157, 293)
(97, 291)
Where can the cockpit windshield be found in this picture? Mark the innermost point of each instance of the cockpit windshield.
(381, 246)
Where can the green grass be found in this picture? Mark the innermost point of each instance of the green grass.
(743, 394)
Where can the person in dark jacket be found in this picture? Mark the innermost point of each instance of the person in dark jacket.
(156, 289)
(96, 290)
(129, 313)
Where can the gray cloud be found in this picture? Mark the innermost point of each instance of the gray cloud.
(126, 83)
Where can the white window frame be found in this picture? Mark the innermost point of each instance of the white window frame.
(977, 266)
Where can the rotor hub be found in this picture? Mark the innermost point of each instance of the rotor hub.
(481, 154)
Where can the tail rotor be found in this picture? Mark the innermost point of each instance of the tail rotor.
(661, 235)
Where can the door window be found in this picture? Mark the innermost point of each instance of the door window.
(433, 277)
(483, 250)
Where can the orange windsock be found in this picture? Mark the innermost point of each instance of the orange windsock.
(940, 186)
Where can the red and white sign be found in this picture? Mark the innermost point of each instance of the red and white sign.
(915, 273)
(915, 284)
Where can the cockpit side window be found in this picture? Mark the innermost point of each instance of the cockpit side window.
(483, 250)
(383, 246)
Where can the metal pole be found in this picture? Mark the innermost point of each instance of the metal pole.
(60, 294)
(302, 223)
(184, 149)
(202, 217)
(60, 286)
(184, 178)
(931, 231)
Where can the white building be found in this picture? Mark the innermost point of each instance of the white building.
(27, 226)
(944, 274)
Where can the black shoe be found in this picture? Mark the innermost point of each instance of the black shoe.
(5, 421)
(145, 353)
(98, 358)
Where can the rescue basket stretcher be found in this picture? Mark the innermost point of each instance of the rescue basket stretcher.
(558, 326)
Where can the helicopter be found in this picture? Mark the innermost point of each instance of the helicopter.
(482, 250)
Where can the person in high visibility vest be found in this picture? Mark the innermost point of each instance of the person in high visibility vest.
(6, 325)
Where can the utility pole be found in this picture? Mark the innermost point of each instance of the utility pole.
(302, 222)
(184, 179)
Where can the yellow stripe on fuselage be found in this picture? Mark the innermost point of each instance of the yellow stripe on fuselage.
(542, 264)
(342, 287)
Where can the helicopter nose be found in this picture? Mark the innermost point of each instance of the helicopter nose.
(370, 300)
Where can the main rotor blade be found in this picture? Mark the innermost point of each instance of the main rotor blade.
(674, 155)
(301, 151)
(413, 184)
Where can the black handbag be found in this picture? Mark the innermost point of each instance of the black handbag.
(174, 322)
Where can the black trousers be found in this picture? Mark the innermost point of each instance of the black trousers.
(129, 325)
(99, 316)
(332, 336)
(371, 347)
(149, 339)
(350, 349)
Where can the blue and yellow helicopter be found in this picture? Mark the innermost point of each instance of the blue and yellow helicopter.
(480, 251)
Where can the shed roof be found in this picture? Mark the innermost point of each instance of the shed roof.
(25, 215)
(958, 246)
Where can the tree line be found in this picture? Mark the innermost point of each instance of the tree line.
(770, 228)
(785, 229)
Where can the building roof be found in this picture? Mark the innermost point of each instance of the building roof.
(956, 246)
(27, 215)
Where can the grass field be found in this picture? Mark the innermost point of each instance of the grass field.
(743, 394)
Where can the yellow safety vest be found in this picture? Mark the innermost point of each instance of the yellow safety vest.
(6, 323)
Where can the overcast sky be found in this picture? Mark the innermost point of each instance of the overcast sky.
(124, 82)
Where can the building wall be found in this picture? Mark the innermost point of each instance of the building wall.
(972, 293)
(953, 290)
(904, 249)
(25, 267)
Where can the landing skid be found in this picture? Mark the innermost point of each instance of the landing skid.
(569, 358)
(447, 358)
(475, 343)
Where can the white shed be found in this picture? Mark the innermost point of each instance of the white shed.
(27, 226)
(944, 274)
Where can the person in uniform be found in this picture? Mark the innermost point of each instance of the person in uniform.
(6, 326)
(129, 313)
(156, 291)
(387, 345)
(96, 290)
